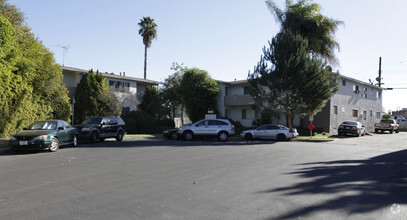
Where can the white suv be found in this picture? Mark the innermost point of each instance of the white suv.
(220, 128)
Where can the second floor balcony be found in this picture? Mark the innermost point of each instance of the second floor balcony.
(238, 100)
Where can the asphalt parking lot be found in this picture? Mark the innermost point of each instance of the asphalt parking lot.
(142, 178)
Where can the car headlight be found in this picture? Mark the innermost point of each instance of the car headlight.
(85, 129)
(12, 138)
(40, 138)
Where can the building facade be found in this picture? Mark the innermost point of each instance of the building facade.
(129, 90)
(355, 100)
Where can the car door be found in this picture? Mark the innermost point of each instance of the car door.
(272, 131)
(200, 127)
(260, 132)
(62, 132)
(105, 127)
(113, 126)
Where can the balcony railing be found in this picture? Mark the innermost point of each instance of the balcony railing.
(238, 100)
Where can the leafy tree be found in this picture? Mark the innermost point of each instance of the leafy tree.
(304, 18)
(94, 97)
(30, 80)
(199, 93)
(153, 103)
(148, 30)
(171, 90)
(288, 79)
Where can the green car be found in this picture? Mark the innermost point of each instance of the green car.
(45, 135)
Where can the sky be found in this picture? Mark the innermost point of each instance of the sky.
(223, 37)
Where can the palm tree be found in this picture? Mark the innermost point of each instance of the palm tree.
(304, 18)
(149, 32)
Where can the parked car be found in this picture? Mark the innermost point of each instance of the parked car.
(100, 128)
(270, 131)
(42, 135)
(352, 128)
(387, 125)
(171, 133)
(220, 128)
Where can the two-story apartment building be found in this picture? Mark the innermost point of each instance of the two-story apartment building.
(355, 100)
(129, 90)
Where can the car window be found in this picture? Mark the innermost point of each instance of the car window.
(221, 123)
(96, 120)
(264, 127)
(66, 124)
(350, 123)
(272, 127)
(119, 121)
(43, 125)
(203, 123)
(60, 124)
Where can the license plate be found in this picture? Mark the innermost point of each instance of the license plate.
(347, 128)
(23, 142)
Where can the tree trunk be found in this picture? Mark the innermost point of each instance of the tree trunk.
(182, 114)
(145, 62)
(289, 120)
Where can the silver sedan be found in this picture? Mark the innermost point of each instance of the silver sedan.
(270, 131)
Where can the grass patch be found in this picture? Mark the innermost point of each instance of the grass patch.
(317, 137)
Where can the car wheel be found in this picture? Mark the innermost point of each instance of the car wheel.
(188, 135)
(281, 137)
(174, 136)
(120, 136)
(94, 137)
(223, 136)
(101, 139)
(397, 131)
(248, 137)
(75, 141)
(54, 145)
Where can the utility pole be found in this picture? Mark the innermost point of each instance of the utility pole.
(380, 72)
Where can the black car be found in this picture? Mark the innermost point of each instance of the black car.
(100, 128)
(41, 135)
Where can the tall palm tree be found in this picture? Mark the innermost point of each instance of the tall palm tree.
(304, 18)
(149, 32)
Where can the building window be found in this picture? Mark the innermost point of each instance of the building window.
(335, 109)
(246, 90)
(371, 113)
(356, 89)
(378, 95)
(364, 115)
(354, 113)
(227, 112)
(243, 113)
(378, 116)
(343, 82)
(365, 93)
(226, 91)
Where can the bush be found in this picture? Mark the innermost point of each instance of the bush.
(306, 132)
(140, 122)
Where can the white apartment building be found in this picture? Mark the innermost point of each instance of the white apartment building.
(129, 90)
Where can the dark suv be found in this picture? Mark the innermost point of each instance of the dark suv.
(100, 128)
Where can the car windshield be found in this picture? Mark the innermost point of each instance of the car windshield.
(349, 123)
(43, 125)
(92, 121)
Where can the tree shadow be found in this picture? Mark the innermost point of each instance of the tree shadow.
(371, 184)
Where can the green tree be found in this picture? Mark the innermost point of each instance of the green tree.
(199, 93)
(153, 103)
(94, 97)
(288, 79)
(171, 90)
(304, 18)
(30, 80)
(148, 30)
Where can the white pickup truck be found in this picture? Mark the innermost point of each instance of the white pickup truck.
(387, 125)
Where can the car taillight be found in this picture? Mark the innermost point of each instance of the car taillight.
(341, 126)
(354, 128)
(291, 131)
(233, 127)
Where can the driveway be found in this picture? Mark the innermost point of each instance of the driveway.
(349, 178)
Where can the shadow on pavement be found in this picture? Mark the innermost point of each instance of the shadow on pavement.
(375, 183)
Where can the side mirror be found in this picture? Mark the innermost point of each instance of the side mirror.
(363, 126)
(24, 128)
(61, 128)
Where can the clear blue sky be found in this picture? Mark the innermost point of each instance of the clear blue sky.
(223, 37)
